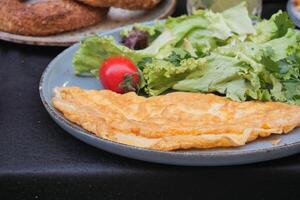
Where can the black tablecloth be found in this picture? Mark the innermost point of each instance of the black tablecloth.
(38, 160)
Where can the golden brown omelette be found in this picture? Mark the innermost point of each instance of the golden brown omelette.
(177, 120)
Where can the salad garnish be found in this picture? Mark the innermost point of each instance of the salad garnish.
(222, 53)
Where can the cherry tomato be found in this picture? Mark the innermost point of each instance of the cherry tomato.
(119, 74)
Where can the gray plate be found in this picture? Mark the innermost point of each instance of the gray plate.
(60, 73)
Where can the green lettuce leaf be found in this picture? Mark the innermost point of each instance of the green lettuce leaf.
(238, 20)
(161, 75)
(276, 27)
(201, 42)
(185, 31)
(95, 49)
(284, 46)
(292, 91)
(175, 31)
(247, 70)
(221, 74)
(211, 52)
(198, 34)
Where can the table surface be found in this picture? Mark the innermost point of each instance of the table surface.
(38, 160)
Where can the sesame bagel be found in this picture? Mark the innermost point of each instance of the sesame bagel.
(47, 17)
(125, 4)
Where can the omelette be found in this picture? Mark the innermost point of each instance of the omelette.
(177, 120)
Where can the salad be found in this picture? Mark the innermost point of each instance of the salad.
(222, 53)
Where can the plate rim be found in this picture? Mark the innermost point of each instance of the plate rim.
(59, 118)
(38, 40)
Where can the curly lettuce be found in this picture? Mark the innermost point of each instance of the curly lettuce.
(198, 34)
(246, 71)
(276, 27)
(221, 53)
(161, 75)
(94, 50)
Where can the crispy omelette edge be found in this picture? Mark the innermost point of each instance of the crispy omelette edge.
(170, 143)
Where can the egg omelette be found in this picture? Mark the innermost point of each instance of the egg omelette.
(176, 120)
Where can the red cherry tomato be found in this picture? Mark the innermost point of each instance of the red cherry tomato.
(119, 74)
